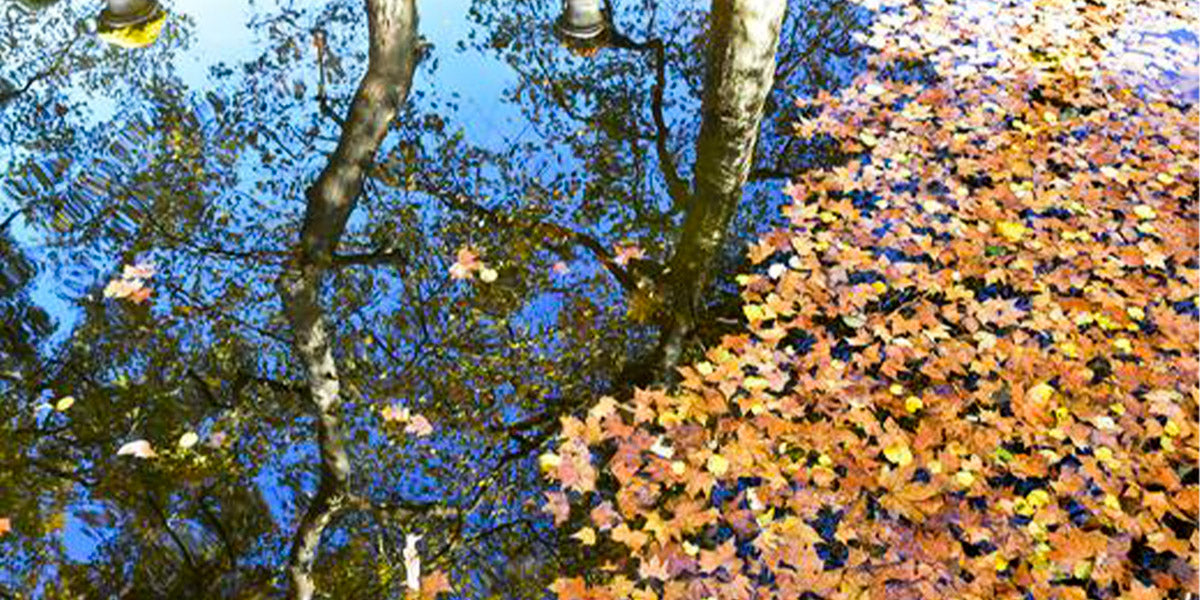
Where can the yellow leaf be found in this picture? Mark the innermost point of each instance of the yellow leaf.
(549, 461)
(1021, 507)
(717, 465)
(586, 536)
(912, 404)
(1082, 570)
(1112, 502)
(755, 382)
(753, 312)
(1037, 530)
(64, 403)
(188, 440)
(1040, 394)
(898, 453)
(1038, 498)
(1061, 414)
(964, 478)
(1001, 562)
(1011, 231)
(1144, 212)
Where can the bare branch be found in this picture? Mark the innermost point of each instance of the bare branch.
(557, 237)
(372, 258)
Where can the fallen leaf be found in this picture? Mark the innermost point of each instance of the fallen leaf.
(898, 453)
(623, 254)
(393, 412)
(466, 262)
(558, 506)
(418, 426)
(137, 448)
(717, 465)
(188, 440)
(139, 271)
(433, 584)
(1011, 230)
(586, 536)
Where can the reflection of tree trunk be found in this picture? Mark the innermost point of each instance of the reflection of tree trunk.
(384, 88)
(740, 71)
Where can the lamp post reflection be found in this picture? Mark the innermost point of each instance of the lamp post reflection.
(131, 23)
(583, 26)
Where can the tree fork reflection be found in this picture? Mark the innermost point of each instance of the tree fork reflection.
(743, 38)
(392, 62)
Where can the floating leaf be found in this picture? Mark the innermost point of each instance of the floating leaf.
(898, 453)
(137, 448)
(717, 465)
(1011, 231)
(419, 426)
(189, 439)
(557, 506)
(465, 264)
(586, 536)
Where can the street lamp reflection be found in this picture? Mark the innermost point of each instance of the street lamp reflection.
(583, 26)
(131, 23)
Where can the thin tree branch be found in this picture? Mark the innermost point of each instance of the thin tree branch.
(43, 74)
(322, 99)
(371, 258)
(183, 549)
(557, 237)
(676, 187)
(208, 514)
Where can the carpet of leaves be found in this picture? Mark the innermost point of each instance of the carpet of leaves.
(970, 365)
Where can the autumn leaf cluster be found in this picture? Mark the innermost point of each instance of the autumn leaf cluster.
(969, 368)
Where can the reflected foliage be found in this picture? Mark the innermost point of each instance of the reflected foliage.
(116, 157)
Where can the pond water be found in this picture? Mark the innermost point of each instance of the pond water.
(496, 271)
